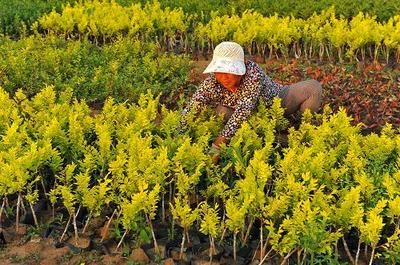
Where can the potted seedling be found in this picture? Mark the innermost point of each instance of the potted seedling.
(210, 225)
(185, 216)
(235, 221)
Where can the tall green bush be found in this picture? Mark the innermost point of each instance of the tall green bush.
(123, 69)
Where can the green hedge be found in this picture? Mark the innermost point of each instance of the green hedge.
(330, 189)
(123, 70)
(383, 9)
(16, 16)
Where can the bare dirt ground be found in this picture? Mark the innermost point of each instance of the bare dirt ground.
(20, 249)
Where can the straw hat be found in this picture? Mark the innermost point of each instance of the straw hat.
(228, 57)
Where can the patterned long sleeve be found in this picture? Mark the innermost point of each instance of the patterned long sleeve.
(270, 89)
(254, 84)
(200, 99)
(246, 104)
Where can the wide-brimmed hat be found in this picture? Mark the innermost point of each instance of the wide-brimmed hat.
(228, 57)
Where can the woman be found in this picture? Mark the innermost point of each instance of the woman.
(236, 85)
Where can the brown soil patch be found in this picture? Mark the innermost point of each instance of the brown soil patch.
(113, 260)
(37, 252)
(53, 254)
(196, 72)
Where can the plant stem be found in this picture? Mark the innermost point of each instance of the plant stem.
(288, 256)
(248, 230)
(182, 245)
(255, 252)
(163, 208)
(211, 248)
(44, 187)
(122, 239)
(66, 227)
(321, 52)
(17, 215)
(108, 225)
(170, 191)
(372, 256)
(1, 211)
(298, 256)
(34, 214)
(153, 235)
(234, 246)
(261, 241)
(23, 205)
(7, 206)
(265, 249)
(222, 235)
(87, 222)
(74, 223)
(187, 236)
(270, 52)
(346, 248)
(223, 231)
(265, 257)
(336, 251)
(363, 54)
(376, 53)
(358, 250)
(52, 210)
(328, 53)
(304, 257)
(387, 54)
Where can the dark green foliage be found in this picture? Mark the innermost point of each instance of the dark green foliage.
(383, 9)
(16, 16)
(124, 69)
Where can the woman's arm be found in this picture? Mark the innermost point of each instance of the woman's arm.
(245, 106)
(205, 93)
(272, 89)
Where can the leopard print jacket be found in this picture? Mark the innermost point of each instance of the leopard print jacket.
(255, 83)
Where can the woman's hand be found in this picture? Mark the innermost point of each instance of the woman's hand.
(220, 140)
(216, 149)
(214, 153)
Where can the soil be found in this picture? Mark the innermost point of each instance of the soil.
(39, 251)
(43, 252)
(31, 246)
(196, 73)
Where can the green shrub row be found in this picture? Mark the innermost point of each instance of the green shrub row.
(123, 69)
(16, 16)
(324, 35)
(331, 189)
(299, 9)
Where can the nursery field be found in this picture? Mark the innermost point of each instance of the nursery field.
(96, 169)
